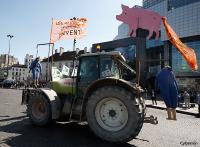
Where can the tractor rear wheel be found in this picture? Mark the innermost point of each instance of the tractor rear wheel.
(39, 110)
(114, 114)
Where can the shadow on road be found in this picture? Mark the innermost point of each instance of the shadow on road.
(4, 116)
(55, 135)
(12, 118)
(197, 116)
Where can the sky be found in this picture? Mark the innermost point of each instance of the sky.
(29, 21)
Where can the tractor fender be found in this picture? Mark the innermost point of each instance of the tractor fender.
(109, 81)
(54, 101)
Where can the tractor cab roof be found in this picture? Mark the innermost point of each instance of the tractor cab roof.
(116, 54)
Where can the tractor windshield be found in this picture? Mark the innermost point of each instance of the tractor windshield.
(126, 66)
(127, 73)
(108, 67)
(113, 67)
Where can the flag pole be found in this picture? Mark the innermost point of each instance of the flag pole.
(37, 51)
(73, 70)
(51, 29)
(50, 42)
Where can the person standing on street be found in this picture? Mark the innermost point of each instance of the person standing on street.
(36, 69)
(198, 102)
(153, 97)
(186, 99)
(166, 82)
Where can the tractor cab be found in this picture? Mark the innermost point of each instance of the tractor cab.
(92, 67)
(101, 65)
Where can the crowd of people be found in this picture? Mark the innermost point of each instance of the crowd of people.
(186, 98)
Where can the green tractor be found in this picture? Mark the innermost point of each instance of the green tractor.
(113, 107)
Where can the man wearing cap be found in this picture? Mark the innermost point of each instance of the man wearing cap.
(36, 69)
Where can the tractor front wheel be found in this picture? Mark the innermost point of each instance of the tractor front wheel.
(113, 114)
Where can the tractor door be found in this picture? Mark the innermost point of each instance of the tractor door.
(87, 73)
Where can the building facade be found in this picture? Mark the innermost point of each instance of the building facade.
(4, 60)
(28, 60)
(17, 72)
(184, 17)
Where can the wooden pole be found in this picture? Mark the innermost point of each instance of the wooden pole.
(51, 30)
(37, 51)
(51, 50)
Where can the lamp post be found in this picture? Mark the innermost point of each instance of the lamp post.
(10, 37)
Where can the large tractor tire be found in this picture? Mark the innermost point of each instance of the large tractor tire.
(39, 110)
(114, 114)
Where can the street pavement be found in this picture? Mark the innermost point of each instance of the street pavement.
(16, 130)
(161, 105)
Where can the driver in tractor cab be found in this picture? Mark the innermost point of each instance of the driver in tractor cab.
(36, 69)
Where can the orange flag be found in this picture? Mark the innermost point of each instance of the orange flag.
(188, 53)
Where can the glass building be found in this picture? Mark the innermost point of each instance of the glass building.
(150, 3)
(184, 17)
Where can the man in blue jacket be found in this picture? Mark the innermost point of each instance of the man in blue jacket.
(36, 69)
(166, 82)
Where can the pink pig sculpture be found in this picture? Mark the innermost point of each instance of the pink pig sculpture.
(140, 18)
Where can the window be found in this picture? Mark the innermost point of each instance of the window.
(178, 62)
(173, 4)
(153, 43)
(108, 68)
(60, 65)
(150, 3)
(71, 64)
(128, 52)
(89, 68)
